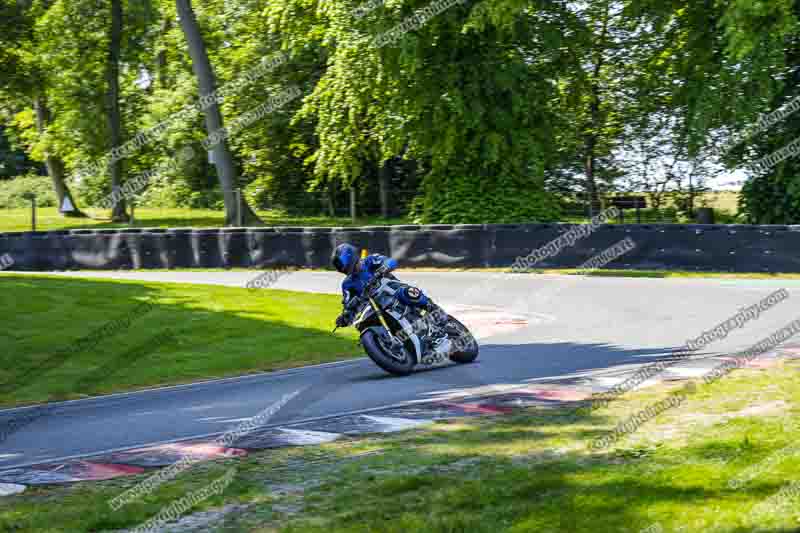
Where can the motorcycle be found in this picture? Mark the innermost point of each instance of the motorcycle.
(399, 337)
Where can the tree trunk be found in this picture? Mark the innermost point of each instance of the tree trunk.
(591, 186)
(353, 213)
(591, 145)
(55, 166)
(118, 213)
(595, 119)
(223, 159)
(384, 182)
(332, 199)
(161, 57)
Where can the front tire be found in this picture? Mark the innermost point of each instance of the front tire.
(460, 335)
(374, 346)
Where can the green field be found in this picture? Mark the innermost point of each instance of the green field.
(48, 218)
(217, 332)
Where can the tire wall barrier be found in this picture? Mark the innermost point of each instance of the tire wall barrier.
(731, 248)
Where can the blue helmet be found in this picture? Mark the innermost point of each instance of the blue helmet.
(345, 258)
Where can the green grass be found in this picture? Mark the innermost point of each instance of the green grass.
(723, 200)
(218, 332)
(613, 273)
(530, 472)
(616, 273)
(48, 218)
(533, 472)
(724, 203)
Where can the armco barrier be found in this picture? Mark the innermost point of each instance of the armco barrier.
(733, 248)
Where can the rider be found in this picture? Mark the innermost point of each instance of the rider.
(359, 272)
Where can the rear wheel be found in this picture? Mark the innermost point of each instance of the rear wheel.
(466, 346)
(391, 357)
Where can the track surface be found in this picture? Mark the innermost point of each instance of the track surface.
(574, 325)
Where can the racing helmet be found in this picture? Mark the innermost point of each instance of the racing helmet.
(344, 258)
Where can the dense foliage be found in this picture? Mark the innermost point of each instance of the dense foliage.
(450, 110)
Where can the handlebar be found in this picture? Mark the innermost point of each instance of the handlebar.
(377, 276)
(357, 300)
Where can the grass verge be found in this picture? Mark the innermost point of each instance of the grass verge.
(656, 274)
(618, 273)
(59, 340)
(530, 472)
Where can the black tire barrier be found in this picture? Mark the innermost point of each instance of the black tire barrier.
(692, 247)
(179, 245)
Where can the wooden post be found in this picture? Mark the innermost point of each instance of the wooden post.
(239, 207)
(353, 213)
(383, 184)
(332, 199)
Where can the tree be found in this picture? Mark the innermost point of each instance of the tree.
(773, 196)
(466, 94)
(25, 83)
(54, 164)
(13, 160)
(118, 213)
(223, 159)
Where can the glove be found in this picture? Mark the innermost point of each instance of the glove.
(342, 321)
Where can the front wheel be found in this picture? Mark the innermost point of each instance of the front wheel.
(394, 359)
(466, 347)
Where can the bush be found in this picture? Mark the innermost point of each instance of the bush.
(771, 199)
(476, 200)
(11, 192)
(257, 193)
(164, 193)
(91, 190)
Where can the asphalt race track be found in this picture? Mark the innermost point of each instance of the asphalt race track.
(532, 329)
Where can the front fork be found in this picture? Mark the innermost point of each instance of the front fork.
(379, 312)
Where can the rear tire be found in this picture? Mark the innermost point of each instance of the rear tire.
(372, 346)
(458, 333)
